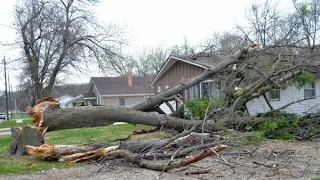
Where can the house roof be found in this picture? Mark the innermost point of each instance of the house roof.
(112, 86)
(202, 60)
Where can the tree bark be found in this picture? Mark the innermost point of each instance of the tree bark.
(22, 136)
(86, 116)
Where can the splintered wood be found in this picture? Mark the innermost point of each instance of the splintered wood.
(41, 105)
(68, 153)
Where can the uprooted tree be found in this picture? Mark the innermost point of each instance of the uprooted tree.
(252, 70)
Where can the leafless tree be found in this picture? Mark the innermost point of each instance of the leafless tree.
(308, 19)
(268, 25)
(58, 35)
(149, 62)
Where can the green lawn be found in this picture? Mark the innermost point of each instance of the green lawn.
(12, 122)
(72, 136)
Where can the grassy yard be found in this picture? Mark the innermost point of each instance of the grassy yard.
(12, 122)
(72, 136)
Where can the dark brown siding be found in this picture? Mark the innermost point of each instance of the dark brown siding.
(177, 72)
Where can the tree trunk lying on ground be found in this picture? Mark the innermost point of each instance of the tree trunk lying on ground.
(58, 119)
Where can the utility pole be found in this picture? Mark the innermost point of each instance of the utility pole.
(9, 95)
(5, 84)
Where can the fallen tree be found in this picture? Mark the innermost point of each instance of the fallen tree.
(48, 117)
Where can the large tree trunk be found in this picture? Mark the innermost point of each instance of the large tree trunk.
(86, 116)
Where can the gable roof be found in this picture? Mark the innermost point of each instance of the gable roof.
(201, 60)
(113, 86)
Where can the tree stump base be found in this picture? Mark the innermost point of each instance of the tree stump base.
(22, 136)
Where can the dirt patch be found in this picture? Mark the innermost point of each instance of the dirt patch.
(271, 160)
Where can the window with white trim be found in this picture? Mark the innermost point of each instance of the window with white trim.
(274, 94)
(309, 90)
(122, 101)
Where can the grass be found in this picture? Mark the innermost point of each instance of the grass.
(71, 136)
(12, 122)
(92, 135)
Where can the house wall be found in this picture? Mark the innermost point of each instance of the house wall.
(114, 101)
(287, 95)
(176, 73)
(166, 109)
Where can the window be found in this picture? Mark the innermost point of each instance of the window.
(207, 89)
(122, 101)
(274, 94)
(309, 90)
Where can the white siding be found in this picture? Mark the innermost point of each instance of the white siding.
(287, 95)
(166, 109)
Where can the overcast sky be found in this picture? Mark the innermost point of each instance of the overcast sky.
(148, 23)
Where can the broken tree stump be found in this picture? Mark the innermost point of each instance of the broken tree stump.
(22, 136)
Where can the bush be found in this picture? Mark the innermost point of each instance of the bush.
(198, 107)
(283, 136)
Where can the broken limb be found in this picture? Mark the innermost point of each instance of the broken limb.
(176, 164)
(287, 105)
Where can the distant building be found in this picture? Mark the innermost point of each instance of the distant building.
(118, 91)
(64, 101)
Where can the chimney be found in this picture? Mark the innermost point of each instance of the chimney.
(130, 84)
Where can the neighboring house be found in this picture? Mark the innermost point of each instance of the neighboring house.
(176, 69)
(64, 101)
(80, 100)
(119, 91)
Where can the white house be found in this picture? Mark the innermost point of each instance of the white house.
(281, 97)
(177, 68)
(64, 101)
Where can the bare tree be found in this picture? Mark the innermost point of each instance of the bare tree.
(308, 20)
(57, 35)
(267, 25)
(149, 62)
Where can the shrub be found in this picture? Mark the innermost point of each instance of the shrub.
(198, 107)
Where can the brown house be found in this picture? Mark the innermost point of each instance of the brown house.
(119, 91)
(177, 68)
